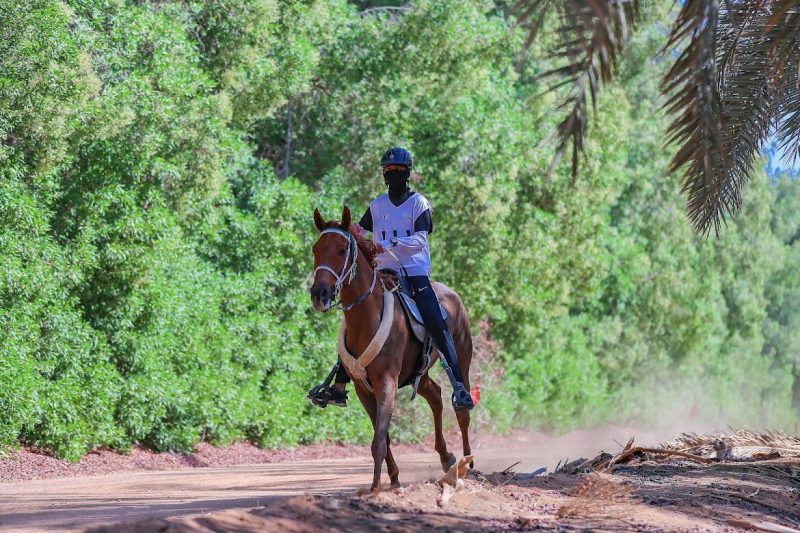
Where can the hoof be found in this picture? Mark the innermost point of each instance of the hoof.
(395, 485)
(447, 465)
(369, 492)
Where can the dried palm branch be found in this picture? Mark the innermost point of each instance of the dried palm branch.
(704, 449)
(742, 444)
(592, 35)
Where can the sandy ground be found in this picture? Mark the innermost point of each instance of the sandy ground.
(320, 494)
(82, 501)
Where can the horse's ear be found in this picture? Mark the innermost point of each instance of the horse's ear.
(346, 218)
(318, 222)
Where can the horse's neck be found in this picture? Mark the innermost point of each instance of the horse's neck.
(363, 319)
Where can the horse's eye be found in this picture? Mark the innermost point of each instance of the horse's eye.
(343, 251)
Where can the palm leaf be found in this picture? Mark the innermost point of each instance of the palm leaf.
(592, 33)
(728, 89)
(735, 78)
(787, 35)
(695, 105)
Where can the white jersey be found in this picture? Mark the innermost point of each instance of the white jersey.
(390, 221)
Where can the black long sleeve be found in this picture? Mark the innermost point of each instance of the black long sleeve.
(424, 222)
(366, 220)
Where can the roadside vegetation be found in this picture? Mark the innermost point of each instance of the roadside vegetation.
(160, 162)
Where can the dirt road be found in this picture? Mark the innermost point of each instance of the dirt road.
(81, 502)
(321, 494)
(77, 503)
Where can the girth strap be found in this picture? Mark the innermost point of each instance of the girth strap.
(357, 367)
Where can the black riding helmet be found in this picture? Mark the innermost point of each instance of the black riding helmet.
(397, 179)
(397, 156)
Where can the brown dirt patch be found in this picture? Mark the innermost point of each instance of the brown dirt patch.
(744, 484)
(30, 463)
(668, 495)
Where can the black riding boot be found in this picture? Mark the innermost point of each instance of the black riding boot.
(324, 394)
(431, 313)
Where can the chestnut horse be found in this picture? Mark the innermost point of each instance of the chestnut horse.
(344, 266)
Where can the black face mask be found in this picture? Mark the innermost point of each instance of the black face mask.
(397, 180)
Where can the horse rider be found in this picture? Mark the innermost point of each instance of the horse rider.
(401, 220)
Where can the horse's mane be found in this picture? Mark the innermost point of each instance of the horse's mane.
(366, 246)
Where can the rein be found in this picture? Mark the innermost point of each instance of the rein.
(347, 275)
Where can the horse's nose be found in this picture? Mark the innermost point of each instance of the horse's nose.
(320, 291)
(320, 296)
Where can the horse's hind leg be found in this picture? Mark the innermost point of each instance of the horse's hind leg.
(464, 416)
(463, 425)
(465, 359)
(432, 392)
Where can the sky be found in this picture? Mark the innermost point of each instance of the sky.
(779, 161)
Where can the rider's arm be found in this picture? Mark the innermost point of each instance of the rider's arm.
(423, 226)
(424, 222)
(366, 221)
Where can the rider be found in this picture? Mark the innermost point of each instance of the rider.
(401, 220)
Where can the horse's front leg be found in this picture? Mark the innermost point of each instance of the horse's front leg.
(370, 406)
(385, 392)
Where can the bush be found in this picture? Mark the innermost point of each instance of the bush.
(154, 253)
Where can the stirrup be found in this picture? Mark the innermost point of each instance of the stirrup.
(320, 395)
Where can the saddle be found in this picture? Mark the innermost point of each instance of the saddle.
(393, 280)
(404, 291)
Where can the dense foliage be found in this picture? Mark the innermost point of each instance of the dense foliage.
(159, 163)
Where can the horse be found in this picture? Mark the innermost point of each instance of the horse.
(345, 268)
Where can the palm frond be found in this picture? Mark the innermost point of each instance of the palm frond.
(749, 92)
(729, 89)
(735, 17)
(788, 41)
(789, 126)
(591, 36)
(695, 104)
(735, 78)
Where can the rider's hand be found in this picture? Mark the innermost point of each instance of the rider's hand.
(379, 247)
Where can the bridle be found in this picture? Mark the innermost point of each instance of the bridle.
(347, 275)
